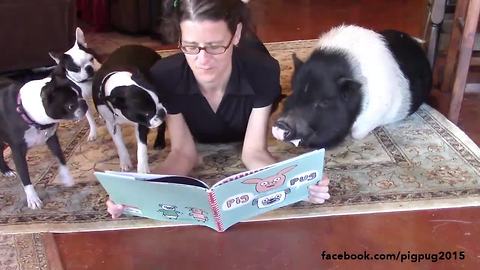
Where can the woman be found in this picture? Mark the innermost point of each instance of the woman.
(220, 89)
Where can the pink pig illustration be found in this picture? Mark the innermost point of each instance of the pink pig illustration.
(271, 182)
(198, 214)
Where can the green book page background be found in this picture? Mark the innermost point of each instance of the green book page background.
(239, 201)
(160, 201)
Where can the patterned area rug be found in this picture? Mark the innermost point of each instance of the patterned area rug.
(23, 252)
(422, 162)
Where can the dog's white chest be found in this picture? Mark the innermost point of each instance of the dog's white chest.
(86, 88)
(35, 136)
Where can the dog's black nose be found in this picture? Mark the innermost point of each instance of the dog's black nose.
(288, 131)
(82, 104)
(162, 114)
(89, 70)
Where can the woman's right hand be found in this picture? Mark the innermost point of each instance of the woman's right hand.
(115, 210)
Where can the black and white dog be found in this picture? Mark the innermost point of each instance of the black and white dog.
(29, 114)
(123, 95)
(80, 64)
(354, 81)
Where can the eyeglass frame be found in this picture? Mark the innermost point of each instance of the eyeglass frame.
(205, 48)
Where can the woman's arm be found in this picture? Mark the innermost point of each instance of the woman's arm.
(255, 153)
(183, 154)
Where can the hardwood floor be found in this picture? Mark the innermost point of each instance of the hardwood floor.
(299, 244)
(304, 19)
(288, 244)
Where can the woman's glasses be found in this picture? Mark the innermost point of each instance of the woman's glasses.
(211, 49)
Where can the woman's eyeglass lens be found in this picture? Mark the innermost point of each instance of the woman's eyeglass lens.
(214, 50)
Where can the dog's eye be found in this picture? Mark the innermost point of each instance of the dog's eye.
(91, 59)
(70, 107)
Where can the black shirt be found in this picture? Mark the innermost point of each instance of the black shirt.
(254, 83)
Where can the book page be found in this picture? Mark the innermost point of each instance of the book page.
(185, 180)
(159, 200)
(267, 189)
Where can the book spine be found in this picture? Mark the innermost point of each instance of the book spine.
(212, 200)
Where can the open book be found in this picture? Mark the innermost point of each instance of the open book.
(233, 199)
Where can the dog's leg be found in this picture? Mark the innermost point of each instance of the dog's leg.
(160, 139)
(4, 169)
(116, 133)
(142, 156)
(92, 134)
(19, 153)
(54, 146)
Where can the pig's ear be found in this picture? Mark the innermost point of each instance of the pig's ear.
(297, 63)
(285, 170)
(252, 181)
(348, 86)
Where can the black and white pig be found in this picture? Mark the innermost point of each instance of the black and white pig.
(354, 81)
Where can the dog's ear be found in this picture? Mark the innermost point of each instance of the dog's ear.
(118, 97)
(59, 72)
(57, 57)
(297, 63)
(48, 90)
(47, 94)
(62, 61)
(142, 80)
(117, 102)
(80, 37)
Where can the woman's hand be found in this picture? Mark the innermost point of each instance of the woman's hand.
(319, 193)
(115, 210)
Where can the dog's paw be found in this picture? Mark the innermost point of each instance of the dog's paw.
(33, 201)
(65, 176)
(9, 173)
(92, 135)
(126, 166)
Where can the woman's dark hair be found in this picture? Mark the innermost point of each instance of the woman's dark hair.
(230, 11)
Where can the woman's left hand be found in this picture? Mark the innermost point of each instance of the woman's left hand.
(318, 193)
